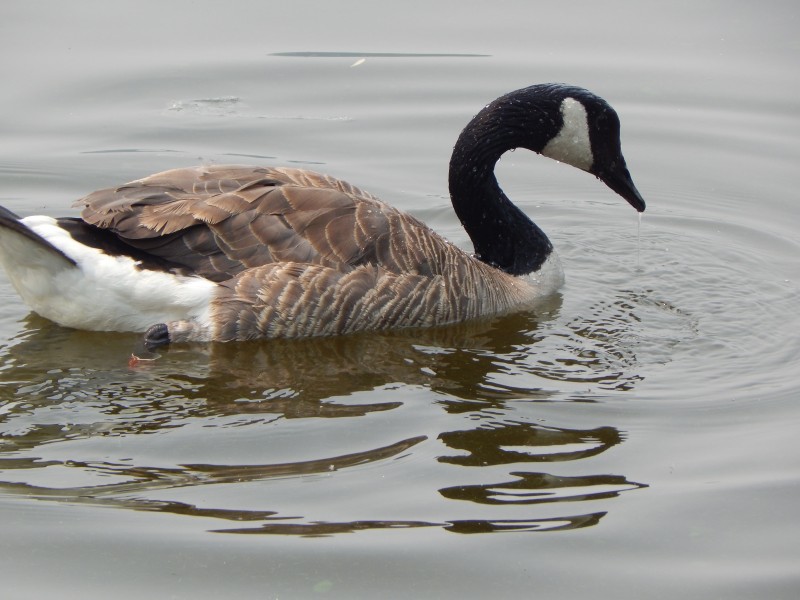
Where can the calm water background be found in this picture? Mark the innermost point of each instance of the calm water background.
(638, 437)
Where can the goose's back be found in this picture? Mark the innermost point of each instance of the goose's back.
(218, 221)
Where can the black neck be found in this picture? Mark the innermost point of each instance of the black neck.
(502, 234)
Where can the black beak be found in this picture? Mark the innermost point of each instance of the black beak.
(619, 179)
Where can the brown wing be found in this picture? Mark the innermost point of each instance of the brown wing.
(218, 221)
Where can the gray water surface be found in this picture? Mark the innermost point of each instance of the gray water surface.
(634, 438)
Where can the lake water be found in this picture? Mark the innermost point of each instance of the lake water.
(637, 437)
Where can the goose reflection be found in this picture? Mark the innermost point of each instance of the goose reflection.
(60, 387)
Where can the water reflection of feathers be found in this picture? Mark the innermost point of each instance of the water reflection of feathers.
(91, 388)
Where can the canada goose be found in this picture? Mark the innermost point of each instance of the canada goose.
(228, 252)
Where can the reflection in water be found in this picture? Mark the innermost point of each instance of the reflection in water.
(458, 526)
(148, 479)
(514, 443)
(69, 402)
(533, 488)
(507, 443)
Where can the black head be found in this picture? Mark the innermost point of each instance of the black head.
(574, 126)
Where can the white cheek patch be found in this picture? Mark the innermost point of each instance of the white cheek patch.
(572, 144)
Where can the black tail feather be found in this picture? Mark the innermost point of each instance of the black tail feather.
(12, 222)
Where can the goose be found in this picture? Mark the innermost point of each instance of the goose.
(237, 252)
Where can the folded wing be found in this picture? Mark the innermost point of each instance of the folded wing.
(218, 221)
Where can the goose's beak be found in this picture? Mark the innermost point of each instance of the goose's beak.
(619, 179)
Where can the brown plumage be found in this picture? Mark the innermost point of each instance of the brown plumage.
(296, 254)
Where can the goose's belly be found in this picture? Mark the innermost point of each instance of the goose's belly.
(103, 292)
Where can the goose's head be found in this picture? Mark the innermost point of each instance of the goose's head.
(586, 136)
(568, 124)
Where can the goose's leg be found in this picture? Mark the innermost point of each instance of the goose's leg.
(156, 335)
(176, 332)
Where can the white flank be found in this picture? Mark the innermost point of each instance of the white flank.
(572, 144)
(103, 293)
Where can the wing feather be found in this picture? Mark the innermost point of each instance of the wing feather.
(220, 220)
